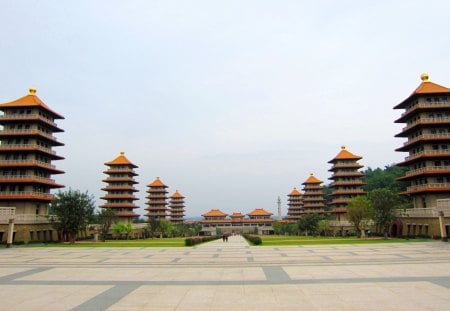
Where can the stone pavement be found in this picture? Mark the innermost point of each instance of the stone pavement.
(228, 276)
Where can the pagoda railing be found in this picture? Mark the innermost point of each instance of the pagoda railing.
(428, 186)
(30, 162)
(26, 219)
(426, 120)
(427, 136)
(440, 104)
(427, 153)
(21, 177)
(422, 212)
(29, 131)
(25, 146)
(426, 169)
(26, 194)
(31, 116)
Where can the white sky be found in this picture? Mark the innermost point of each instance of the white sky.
(231, 102)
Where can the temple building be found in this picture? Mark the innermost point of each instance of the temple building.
(295, 205)
(120, 189)
(157, 200)
(26, 155)
(258, 221)
(426, 117)
(176, 206)
(313, 196)
(347, 181)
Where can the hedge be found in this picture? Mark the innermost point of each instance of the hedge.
(254, 239)
(200, 239)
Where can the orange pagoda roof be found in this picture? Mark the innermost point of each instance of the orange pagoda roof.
(215, 213)
(237, 215)
(177, 195)
(121, 160)
(259, 212)
(426, 87)
(157, 183)
(344, 154)
(31, 100)
(295, 192)
(312, 180)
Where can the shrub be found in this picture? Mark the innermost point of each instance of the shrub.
(255, 240)
(199, 239)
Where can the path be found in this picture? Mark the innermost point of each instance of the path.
(223, 276)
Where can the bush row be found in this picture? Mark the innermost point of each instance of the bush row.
(254, 239)
(199, 239)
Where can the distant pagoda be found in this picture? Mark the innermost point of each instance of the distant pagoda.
(295, 205)
(176, 205)
(347, 180)
(313, 201)
(157, 200)
(120, 189)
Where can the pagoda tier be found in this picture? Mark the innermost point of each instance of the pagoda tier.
(347, 180)
(26, 142)
(427, 118)
(176, 206)
(157, 200)
(120, 190)
(295, 205)
(313, 201)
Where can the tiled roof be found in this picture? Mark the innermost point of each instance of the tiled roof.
(426, 87)
(344, 154)
(312, 180)
(295, 192)
(259, 212)
(121, 160)
(215, 213)
(157, 183)
(177, 195)
(237, 215)
(31, 100)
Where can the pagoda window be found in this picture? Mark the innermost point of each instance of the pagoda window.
(435, 147)
(437, 163)
(444, 147)
(440, 180)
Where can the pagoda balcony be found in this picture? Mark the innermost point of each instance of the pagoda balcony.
(119, 205)
(120, 171)
(26, 163)
(421, 105)
(160, 190)
(426, 121)
(26, 219)
(428, 153)
(348, 191)
(119, 196)
(347, 182)
(126, 214)
(14, 147)
(25, 195)
(124, 188)
(156, 202)
(346, 174)
(157, 197)
(29, 132)
(314, 209)
(28, 117)
(439, 187)
(428, 170)
(122, 179)
(346, 165)
(27, 179)
(423, 137)
(432, 212)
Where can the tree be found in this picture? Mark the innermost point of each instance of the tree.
(105, 218)
(118, 229)
(74, 210)
(384, 202)
(359, 209)
(308, 223)
(324, 226)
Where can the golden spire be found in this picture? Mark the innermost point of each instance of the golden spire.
(122, 153)
(32, 90)
(424, 76)
(343, 147)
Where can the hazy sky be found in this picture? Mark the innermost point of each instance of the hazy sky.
(232, 102)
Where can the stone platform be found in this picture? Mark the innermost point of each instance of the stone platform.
(228, 276)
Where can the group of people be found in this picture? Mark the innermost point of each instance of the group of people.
(225, 238)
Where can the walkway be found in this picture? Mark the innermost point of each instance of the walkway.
(223, 276)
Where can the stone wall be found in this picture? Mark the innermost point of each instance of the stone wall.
(25, 233)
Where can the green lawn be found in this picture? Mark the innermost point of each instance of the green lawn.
(279, 240)
(165, 242)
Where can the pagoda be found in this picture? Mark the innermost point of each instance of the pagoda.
(26, 155)
(176, 206)
(295, 205)
(313, 201)
(157, 200)
(427, 118)
(120, 189)
(347, 180)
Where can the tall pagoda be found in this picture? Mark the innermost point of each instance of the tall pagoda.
(157, 200)
(313, 197)
(427, 118)
(26, 155)
(176, 206)
(120, 189)
(295, 205)
(347, 180)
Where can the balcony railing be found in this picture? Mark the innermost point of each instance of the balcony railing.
(26, 194)
(26, 147)
(29, 131)
(427, 136)
(22, 177)
(422, 212)
(427, 120)
(440, 104)
(26, 219)
(32, 116)
(428, 186)
(428, 153)
(27, 162)
(428, 169)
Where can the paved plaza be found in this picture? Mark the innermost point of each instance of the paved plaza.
(228, 276)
